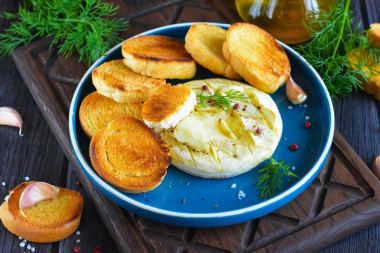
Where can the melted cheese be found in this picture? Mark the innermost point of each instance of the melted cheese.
(213, 143)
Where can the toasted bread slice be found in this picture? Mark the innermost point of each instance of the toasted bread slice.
(159, 57)
(115, 80)
(167, 106)
(96, 111)
(129, 155)
(374, 33)
(372, 86)
(47, 221)
(205, 44)
(256, 56)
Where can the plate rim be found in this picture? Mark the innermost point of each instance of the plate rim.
(225, 214)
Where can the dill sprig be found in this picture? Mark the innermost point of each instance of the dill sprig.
(269, 179)
(328, 52)
(85, 26)
(223, 102)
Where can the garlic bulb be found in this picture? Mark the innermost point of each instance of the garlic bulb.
(295, 93)
(37, 192)
(10, 117)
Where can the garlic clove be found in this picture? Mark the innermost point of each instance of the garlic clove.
(37, 192)
(295, 93)
(376, 167)
(10, 117)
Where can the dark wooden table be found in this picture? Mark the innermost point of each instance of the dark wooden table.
(38, 156)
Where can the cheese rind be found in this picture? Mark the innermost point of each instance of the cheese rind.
(213, 143)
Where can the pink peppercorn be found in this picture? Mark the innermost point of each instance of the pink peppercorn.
(293, 147)
(236, 106)
(308, 124)
(204, 87)
(77, 249)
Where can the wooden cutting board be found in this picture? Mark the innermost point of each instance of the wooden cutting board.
(342, 200)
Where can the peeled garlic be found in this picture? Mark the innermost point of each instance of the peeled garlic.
(295, 93)
(10, 117)
(376, 167)
(37, 192)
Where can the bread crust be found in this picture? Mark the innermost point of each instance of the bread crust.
(115, 80)
(205, 44)
(96, 111)
(159, 57)
(256, 56)
(129, 156)
(372, 85)
(374, 34)
(47, 221)
(166, 102)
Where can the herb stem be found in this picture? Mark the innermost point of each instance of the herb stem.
(85, 26)
(340, 52)
(72, 20)
(340, 37)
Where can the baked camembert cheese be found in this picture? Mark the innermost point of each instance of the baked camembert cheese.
(214, 143)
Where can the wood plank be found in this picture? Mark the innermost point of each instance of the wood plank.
(357, 117)
(93, 232)
(18, 159)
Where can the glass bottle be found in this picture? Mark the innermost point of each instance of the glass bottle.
(282, 18)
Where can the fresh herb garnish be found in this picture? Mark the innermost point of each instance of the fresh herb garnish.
(85, 26)
(328, 52)
(269, 179)
(221, 101)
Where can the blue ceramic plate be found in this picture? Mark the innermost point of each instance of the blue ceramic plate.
(185, 200)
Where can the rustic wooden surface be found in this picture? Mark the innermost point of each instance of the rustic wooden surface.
(38, 155)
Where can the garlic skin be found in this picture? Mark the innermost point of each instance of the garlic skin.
(10, 117)
(37, 192)
(295, 93)
(376, 167)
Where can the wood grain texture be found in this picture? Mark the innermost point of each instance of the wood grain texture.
(342, 200)
(357, 119)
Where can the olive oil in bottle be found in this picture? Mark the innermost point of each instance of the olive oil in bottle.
(282, 18)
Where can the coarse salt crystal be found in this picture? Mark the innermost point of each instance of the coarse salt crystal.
(233, 186)
(22, 244)
(6, 198)
(290, 107)
(305, 105)
(24, 240)
(33, 249)
(77, 241)
(29, 246)
(293, 168)
(241, 194)
(78, 232)
(26, 178)
(307, 117)
(20, 238)
(3, 183)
